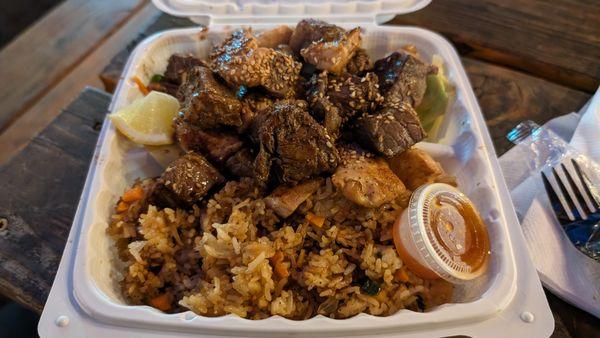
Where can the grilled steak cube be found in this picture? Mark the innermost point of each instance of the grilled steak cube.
(188, 179)
(391, 131)
(329, 114)
(284, 73)
(217, 146)
(164, 87)
(403, 77)
(360, 63)
(308, 31)
(285, 49)
(240, 61)
(241, 164)
(350, 93)
(322, 107)
(179, 66)
(177, 71)
(324, 45)
(336, 99)
(186, 135)
(208, 103)
(292, 144)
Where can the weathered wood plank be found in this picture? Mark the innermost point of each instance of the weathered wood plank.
(46, 108)
(556, 40)
(571, 321)
(111, 73)
(45, 53)
(508, 97)
(40, 190)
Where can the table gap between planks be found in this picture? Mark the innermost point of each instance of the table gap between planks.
(512, 77)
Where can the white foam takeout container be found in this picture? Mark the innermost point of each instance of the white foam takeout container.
(85, 299)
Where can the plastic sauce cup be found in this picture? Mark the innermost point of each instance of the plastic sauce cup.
(440, 234)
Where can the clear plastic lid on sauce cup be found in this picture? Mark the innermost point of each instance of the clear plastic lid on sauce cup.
(440, 234)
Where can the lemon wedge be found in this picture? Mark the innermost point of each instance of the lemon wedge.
(148, 120)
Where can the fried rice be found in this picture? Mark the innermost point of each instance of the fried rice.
(233, 254)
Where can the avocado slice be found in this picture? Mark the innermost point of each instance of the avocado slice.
(433, 106)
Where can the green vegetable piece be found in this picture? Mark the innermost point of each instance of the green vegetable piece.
(157, 78)
(370, 287)
(432, 108)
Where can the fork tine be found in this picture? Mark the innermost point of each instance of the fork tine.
(576, 191)
(566, 196)
(557, 206)
(586, 182)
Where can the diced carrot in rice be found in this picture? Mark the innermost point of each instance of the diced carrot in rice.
(161, 302)
(141, 86)
(133, 194)
(277, 257)
(281, 270)
(402, 275)
(315, 220)
(122, 207)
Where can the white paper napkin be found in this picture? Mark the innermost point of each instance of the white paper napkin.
(564, 270)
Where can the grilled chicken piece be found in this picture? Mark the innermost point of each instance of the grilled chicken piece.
(360, 63)
(179, 66)
(284, 200)
(416, 167)
(403, 77)
(241, 164)
(208, 103)
(186, 181)
(241, 62)
(366, 180)
(292, 143)
(390, 131)
(272, 38)
(336, 99)
(324, 45)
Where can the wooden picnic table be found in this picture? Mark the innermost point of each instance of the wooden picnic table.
(527, 60)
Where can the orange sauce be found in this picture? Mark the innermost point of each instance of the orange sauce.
(460, 231)
(462, 237)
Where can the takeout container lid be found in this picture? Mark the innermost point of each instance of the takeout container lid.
(80, 305)
(286, 11)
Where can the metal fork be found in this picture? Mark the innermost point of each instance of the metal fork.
(576, 203)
